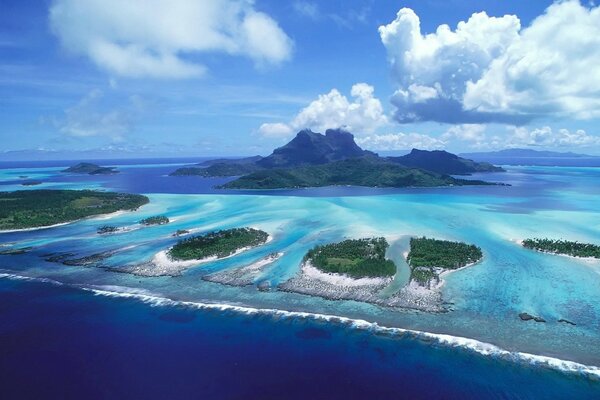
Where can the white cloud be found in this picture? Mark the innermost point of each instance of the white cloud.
(547, 137)
(466, 132)
(551, 69)
(161, 38)
(275, 130)
(307, 9)
(95, 115)
(400, 141)
(488, 69)
(361, 114)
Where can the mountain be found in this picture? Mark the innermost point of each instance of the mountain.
(443, 162)
(310, 148)
(307, 148)
(364, 171)
(90, 169)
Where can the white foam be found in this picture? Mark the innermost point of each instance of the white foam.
(483, 348)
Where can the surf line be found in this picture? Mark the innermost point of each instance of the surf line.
(483, 348)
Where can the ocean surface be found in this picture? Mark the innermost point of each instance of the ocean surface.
(98, 332)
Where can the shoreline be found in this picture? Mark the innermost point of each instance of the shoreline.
(89, 217)
(586, 259)
(245, 275)
(162, 264)
(463, 343)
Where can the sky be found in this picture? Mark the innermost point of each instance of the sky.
(117, 78)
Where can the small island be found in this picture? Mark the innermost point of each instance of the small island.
(195, 250)
(354, 269)
(90, 169)
(217, 244)
(564, 247)
(155, 220)
(106, 229)
(428, 258)
(31, 183)
(357, 258)
(28, 209)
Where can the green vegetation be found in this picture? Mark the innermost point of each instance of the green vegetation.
(218, 170)
(37, 208)
(218, 244)
(181, 232)
(156, 220)
(357, 258)
(365, 171)
(575, 249)
(426, 255)
(425, 252)
(90, 169)
(107, 229)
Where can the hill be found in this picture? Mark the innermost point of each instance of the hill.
(443, 162)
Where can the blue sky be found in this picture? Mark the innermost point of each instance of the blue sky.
(237, 77)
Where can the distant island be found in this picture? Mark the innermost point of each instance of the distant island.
(574, 249)
(155, 220)
(315, 160)
(217, 244)
(90, 169)
(26, 209)
(31, 183)
(535, 157)
(429, 257)
(357, 258)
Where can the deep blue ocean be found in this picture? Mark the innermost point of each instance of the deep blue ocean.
(60, 338)
(65, 343)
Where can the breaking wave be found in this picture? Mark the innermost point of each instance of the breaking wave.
(486, 349)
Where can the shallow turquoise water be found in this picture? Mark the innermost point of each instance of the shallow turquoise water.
(543, 201)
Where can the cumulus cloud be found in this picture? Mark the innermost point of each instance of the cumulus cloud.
(466, 132)
(401, 141)
(275, 130)
(160, 38)
(551, 69)
(363, 113)
(95, 115)
(488, 69)
(547, 137)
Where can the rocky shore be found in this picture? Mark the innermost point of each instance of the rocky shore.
(245, 275)
(313, 282)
